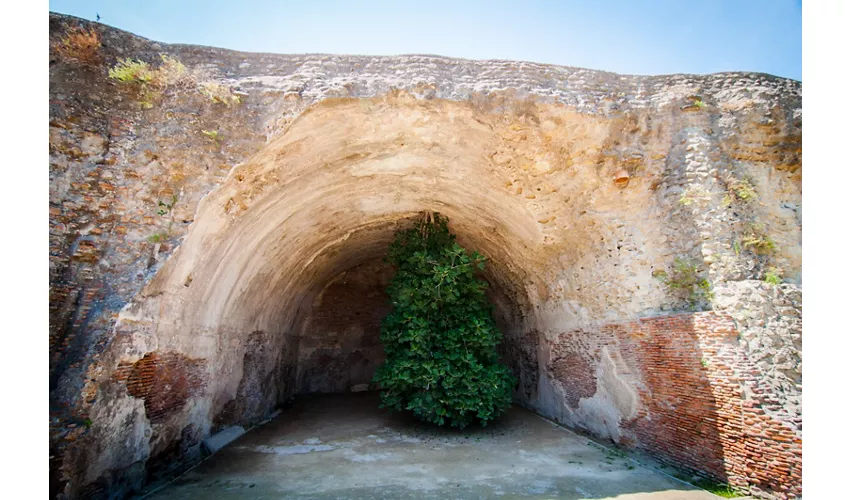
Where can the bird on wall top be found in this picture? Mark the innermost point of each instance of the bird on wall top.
(97, 15)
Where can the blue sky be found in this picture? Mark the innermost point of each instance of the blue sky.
(633, 37)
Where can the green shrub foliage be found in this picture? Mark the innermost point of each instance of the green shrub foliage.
(440, 338)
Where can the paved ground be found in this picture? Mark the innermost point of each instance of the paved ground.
(343, 446)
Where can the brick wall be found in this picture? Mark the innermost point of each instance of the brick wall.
(164, 380)
(701, 399)
(340, 345)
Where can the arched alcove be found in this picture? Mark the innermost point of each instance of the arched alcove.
(264, 280)
(246, 312)
(242, 296)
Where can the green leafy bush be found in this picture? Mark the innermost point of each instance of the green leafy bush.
(440, 338)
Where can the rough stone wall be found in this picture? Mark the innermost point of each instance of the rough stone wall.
(770, 321)
(340, 343)
(685, 389)
(578, 185)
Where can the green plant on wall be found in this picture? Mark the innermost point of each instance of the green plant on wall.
(756, 241)
(694, 195)
(169, 74)
(685, 280)
(720, 489)
(739, 190)
(213, 135)
(165, 208)
(138, 74)
(773, 276)
(218, 93)
(440, 338)
(132, 71)
(157, 237)
(696, 103)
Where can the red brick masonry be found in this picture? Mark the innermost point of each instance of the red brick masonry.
(702, 401)
(164, 380)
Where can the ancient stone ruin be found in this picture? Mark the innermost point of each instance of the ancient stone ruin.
(216, 247)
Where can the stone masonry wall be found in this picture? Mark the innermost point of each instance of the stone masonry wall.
(340, 342)
(685, 389)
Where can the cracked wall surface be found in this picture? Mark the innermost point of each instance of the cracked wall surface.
(233, 265)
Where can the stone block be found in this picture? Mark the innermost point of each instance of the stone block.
(218, 441)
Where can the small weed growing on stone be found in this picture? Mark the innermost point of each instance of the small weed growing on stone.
(721, 490)
(703, 362)
(138, 74)
(756, 241)
(685, 279)
(170, 74)
(87, 423)
(773, 276)
(165, 208)
(218, 93)
(759, 245)
(696, 104)
(212, 134)
(739, 190)
(131, 71)
(79, 44)
(157, 237)
(744, 191)
(694, 194)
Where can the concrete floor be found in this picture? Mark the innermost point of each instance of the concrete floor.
(345, 447)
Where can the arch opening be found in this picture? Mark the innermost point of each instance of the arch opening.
(328, 327)
(276, 289)
(338, 326)
(255, 292)
(257, 288)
